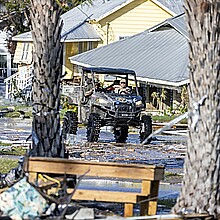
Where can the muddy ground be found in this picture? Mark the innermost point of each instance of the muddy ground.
(165, 150)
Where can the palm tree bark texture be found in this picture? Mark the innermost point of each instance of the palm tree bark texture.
(46, 33)
(200, 190)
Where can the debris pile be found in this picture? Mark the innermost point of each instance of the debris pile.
(25, 200)
(13, 175)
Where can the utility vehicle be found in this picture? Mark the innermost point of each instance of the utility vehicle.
(105, 106)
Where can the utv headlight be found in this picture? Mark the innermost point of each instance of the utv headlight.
(121, 99)
(138, 103)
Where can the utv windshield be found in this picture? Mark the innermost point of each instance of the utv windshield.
(110, 80)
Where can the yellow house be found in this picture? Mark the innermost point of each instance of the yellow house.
(90, 26)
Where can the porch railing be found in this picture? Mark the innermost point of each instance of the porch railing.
(18, 82)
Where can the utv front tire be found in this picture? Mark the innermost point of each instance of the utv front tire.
(93, 127)
(145, 128)
(121, 134)
(70, 123)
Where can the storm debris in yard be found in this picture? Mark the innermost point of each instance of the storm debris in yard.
(22, 201)
(12, 176)
(83, 213)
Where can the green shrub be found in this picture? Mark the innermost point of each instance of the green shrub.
(7, 164)
(167, 118)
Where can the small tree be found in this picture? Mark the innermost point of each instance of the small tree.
(154, 95)
(163, 97)
(15, 14)
(184, 98)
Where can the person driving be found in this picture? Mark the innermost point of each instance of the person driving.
(123, 89)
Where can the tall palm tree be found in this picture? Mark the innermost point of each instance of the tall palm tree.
(46, 28)
(46, 33)
(200, 190)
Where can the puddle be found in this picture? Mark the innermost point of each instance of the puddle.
(166, 150)
(166, 191)
(166, 198)
(14, 129)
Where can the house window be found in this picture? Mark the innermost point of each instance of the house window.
(25, 50)
(3, 66)
(84, 46)
(90, 45)
(80, 47)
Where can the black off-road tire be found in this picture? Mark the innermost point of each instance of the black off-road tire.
(93, 127)
(70, 123)
(145, 128)
(121, 134)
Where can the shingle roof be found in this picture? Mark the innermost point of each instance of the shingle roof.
(155, 55)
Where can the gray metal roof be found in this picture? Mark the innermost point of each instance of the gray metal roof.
(102, 8)
(177, 22)
(23, 37)
(156, 55)
(175, 6)
(86, 12)
(75, 24)
(82, 30)
(76, 19)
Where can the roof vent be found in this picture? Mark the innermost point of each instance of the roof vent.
(104, 1)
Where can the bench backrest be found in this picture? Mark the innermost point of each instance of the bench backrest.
(97, 169)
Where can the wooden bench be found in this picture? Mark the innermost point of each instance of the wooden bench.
(148, 174)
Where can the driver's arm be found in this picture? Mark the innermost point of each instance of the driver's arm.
(89, 90)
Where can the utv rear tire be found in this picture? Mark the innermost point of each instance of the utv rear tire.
(70, 123)
(145, 128)
(121, 134)
(93, 127)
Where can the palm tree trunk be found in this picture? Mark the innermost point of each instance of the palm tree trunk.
(46, 28)
(200, 190)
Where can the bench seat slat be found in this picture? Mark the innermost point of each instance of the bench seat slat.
(110, 170)
(105, 196)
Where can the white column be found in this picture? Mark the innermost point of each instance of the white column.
(8, 64)
(64, 58)
(6, 90)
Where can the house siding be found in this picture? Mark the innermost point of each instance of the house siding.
(132, 19)
(129, 20)
(72, 49)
